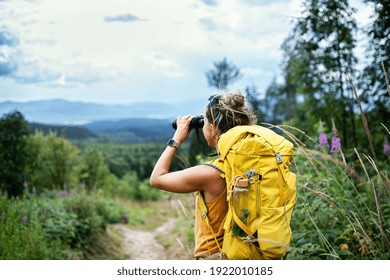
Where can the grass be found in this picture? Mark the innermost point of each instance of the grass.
(146, 215)
(108, 247)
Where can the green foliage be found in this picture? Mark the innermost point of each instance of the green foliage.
(13, 153)
(124, 158)
(277, 105)
(68, 132)
(90, 224)
(94, 171)
(147, 192)
(130, 187)
(125, 187)
(59, 221)
(22, 235)
(252, 96)
(55, 224)
(57, 162)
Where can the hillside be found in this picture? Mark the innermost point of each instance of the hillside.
(69, 132)
(131, 130)
(125, 131)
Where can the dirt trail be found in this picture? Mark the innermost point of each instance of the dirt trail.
(142, 245)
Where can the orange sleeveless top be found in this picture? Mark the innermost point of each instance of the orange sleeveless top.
(205, 243)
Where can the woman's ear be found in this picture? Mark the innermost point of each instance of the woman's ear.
(216, 134)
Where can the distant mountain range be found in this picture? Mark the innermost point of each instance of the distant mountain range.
(139, 122)
(63, 112)
(122, 131)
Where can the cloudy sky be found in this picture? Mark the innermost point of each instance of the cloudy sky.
(126, 51)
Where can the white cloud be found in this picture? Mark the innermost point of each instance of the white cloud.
(113, 48)
(165, 66)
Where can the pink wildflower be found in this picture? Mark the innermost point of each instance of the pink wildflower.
(336, 144)
(323, 139)
(24, 219)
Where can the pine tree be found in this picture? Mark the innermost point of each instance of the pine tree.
(223, 74)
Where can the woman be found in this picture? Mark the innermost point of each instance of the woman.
(223, 112)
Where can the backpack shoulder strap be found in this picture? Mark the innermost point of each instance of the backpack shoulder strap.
(204, 209)
(217, 164)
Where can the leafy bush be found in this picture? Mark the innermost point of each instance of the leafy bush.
(89, 223)
(125, 187)
(147, 192)
(22, 235)
(57, 162)
(54, 224)
(94, 172)
(58, 221)
(109, 209)
(130, 187)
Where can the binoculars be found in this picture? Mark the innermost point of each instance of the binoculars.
(196, 123)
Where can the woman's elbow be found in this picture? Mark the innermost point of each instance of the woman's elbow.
(154, 182)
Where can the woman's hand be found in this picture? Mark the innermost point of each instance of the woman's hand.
(183, 129)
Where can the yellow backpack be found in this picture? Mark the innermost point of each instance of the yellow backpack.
(261, 193)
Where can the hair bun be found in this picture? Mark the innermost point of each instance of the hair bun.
(234, 100)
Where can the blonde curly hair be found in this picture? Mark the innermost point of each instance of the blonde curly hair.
(229, 109)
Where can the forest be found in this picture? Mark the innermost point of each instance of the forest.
(60, 196)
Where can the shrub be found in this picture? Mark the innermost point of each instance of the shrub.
(22, 235)
(56, 224)
(94, 172)
(147, 192)
(57, 162)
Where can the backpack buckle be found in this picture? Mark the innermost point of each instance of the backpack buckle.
(250, 240)
(279, 159)
(251, 176)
